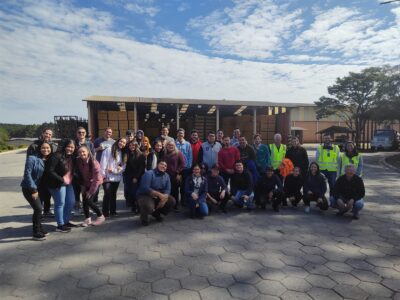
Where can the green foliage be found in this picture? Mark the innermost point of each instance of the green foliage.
(30, 131)
(355, 97)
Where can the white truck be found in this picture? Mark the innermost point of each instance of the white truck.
(385, 139)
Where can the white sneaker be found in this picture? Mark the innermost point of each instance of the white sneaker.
(87, 222)
(307, 209)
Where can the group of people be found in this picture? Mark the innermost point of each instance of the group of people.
(173, 174)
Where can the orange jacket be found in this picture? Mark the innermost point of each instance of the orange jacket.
(286, 167)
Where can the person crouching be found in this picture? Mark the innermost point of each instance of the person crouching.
(269, 190)
(242, 189)
(196, 193)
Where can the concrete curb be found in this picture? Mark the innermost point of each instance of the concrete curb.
(13, 151)
(388, 165)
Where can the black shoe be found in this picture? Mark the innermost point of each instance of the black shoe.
(38, 236)
(262, 206)
(44, 232)
(356, 217)
(176, 209)
(114, 214)
(145, 222)
(284, 203)
(201, 217)
(48, 214)
(157, 216)
(63, 228)
(223, 210)
(71, 225)
(275, 208)
(294, 203)
(340, 213)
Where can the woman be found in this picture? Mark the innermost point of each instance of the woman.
(292, 187)
(135, 166)
(314, 188)
(196, 189)
(112, 166)
(175, 164)
(34, 169)
(150, 158)
(351, 156)
(58, 176)
(90, 179)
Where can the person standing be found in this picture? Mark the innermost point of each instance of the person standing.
(34, 169)
(175, 164)
(269, 190)
(164, 137)
(34, 149)
(195, 143)
(248, 157)
(351, 156)
(227, 157)
(210, 150)
(278, 152)
(135, 168)
(196, 193)
(263, 157)
(314, 188)
(59, 170)
(327, 157)
(242, 189)
(186, 149)
(154, 194)
(220, 137)
(298, 155)
(90, 179)
(235, 137)
(348, 193)
(112, 166)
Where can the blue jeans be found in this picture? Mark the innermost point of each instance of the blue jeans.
(239, 200)
(331, 177)
(64, 201)
(357, 207)
(201, 210)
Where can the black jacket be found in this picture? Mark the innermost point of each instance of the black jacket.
(55, 169)
(346, 190)
(242, 181)
(299, 158)
(135, 166)
(269, 184)
(293, 183)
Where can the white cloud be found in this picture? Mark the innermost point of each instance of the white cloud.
(250, 29)
(46, 70)
(171, 39)
(141, 7)
(352, 34)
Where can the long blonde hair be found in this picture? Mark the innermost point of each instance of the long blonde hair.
(174, 152)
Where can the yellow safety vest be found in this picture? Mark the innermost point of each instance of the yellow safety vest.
(277, 155)
(355, 160)
(328, 159)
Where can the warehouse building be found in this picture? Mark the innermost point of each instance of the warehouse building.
(150, 114)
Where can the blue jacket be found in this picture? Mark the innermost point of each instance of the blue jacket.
(154, 180)
(186, 150)
(34, 169)
(189, 189)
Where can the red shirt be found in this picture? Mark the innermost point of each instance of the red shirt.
(195, 151)
(227, 158)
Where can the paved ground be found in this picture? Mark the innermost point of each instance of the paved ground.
(260, 255)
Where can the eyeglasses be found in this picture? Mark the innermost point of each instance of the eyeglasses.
(81, 132)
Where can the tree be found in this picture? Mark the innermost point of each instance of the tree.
(354, 98)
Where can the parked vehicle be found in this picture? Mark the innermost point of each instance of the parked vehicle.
(340, 141)
(385, 139)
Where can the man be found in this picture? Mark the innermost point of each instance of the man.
(210, 150)
(164, 137)
(220, 136)
(34, 149)
(154, 194)
(235, 138)
(298, 155)
(278, 152)
(102, 143)
(139, 136)
(242, 189)
(130, 136)
(269, 190)
(195, 143)
(217, 194)
(227, 157)
(327, 157)
(263, 157)
(348, 193)
(248, 157)
(184, 146)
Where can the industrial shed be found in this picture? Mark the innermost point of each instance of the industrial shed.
(150, 114)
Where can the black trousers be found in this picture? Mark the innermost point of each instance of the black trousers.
(221, 202)
(110, 198)
(296, 194)
(88, 203)
(185, 174)
(77, 190)
(308, 198)
(37, 210)
(45, 198)
(277, 199)
(175, 189)
(148, 206)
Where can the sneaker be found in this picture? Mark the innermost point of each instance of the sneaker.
(44, 232)
(99, 221)
(71, 225)
(294, 203)
(284, 203)
(145, 222)
(307, 209)
(87, 222)
(114, 214)
(340, 213)
(38, 236)
(356, 217)
(63, 228)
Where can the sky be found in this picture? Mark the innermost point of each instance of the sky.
(55, 53)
